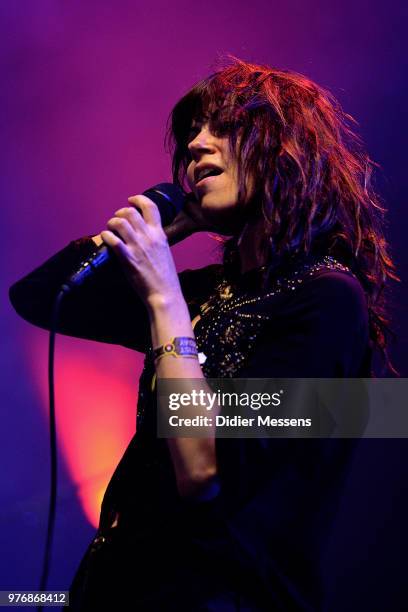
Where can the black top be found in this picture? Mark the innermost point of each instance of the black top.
(265, 531)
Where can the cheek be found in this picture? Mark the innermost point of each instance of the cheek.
(190, 176)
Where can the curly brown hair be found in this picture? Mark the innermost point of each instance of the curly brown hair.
(309, 170)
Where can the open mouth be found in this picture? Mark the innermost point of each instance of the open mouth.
(208, 172)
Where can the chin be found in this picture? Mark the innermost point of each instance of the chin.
(223, 217)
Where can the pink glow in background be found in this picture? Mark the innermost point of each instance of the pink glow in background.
(87, 89)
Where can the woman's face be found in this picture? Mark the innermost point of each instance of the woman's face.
(213, 177)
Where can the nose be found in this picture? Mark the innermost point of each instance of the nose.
(203, 142)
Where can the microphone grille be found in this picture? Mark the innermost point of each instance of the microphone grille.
(169, 199)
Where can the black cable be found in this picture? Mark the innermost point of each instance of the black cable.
(53, 443)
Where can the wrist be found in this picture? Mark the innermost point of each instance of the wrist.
(158, 303)
(179, 346)
(169, 317)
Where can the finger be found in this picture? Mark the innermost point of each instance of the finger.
(115, 243)
(148, 209)
(132, 216)
(123, 228)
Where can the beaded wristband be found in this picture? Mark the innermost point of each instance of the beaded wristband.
(180, 346)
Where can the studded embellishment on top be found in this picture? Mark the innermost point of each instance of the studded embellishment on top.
(232, 319)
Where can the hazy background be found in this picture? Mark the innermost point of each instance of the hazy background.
(86, 92)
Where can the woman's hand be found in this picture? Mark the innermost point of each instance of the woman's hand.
(142, 247)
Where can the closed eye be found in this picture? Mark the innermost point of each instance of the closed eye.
(194, 130)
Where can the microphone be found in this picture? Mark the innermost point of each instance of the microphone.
(169, 200)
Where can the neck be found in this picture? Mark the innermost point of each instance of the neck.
(250, 249)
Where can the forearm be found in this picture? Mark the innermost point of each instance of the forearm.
(105, 309)
(33, 295)
(194, 459)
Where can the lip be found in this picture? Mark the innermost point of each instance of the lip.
(205, 166)
(206, 180)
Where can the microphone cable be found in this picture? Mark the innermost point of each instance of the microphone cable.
(170, 199)
(53, 443)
